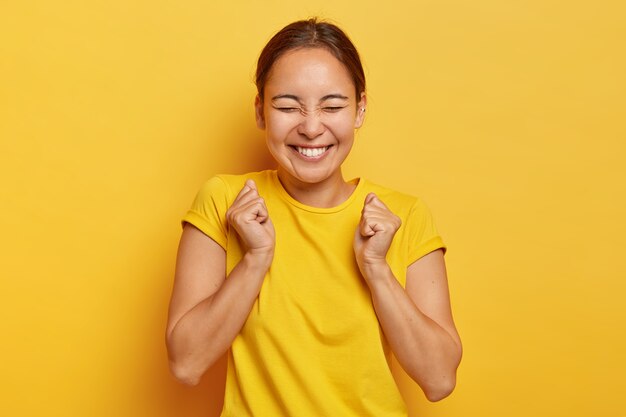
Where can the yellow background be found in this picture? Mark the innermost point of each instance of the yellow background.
(507, 117)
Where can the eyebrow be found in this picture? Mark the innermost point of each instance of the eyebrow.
(296, 98)
(332, 96)
(290, 96)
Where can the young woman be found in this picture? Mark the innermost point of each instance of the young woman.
(309, 281)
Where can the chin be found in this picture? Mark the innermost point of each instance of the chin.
(309, 176)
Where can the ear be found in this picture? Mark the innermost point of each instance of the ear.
(258, 111)
(360, 112)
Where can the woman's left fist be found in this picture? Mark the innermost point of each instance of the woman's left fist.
(374, 234)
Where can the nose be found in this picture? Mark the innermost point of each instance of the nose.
(311, 125)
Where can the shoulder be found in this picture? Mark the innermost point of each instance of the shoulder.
(228, 185)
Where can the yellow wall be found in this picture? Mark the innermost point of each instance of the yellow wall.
(506, 117)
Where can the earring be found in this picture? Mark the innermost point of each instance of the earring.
(362, 109)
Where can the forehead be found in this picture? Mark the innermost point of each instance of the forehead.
(309, 70)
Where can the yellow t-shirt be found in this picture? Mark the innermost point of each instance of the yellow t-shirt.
(312, 345)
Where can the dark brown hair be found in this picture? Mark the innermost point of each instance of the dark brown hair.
(311, 33)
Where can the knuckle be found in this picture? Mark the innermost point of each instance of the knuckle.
(232, 214)
(397, 221)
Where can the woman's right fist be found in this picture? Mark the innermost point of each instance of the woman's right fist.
(248, 215)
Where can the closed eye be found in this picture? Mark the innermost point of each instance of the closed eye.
(332, 109)
(325, 109)
(288, 109)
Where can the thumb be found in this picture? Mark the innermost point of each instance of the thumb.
(370, 197)
(250, 183)
(367, 228)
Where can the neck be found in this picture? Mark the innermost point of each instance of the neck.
(329, 193)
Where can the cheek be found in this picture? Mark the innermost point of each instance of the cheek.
(343, 128)
(277, 127)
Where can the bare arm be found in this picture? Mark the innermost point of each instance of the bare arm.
(417, 321)
(207, 311)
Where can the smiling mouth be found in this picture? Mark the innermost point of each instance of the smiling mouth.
(311, 152)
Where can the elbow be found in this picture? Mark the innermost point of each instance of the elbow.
(185, 374)
(437, 388)
(439, 391)
(442, 387)
(183, 370)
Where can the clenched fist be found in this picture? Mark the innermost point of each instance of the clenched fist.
(248, 215)
(374, 234)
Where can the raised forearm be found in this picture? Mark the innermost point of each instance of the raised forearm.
(426, 351)
(206, 331)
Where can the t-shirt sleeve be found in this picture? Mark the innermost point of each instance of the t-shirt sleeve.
(422, 233)
(208, 210)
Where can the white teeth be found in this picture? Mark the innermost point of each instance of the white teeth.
(312, 152)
